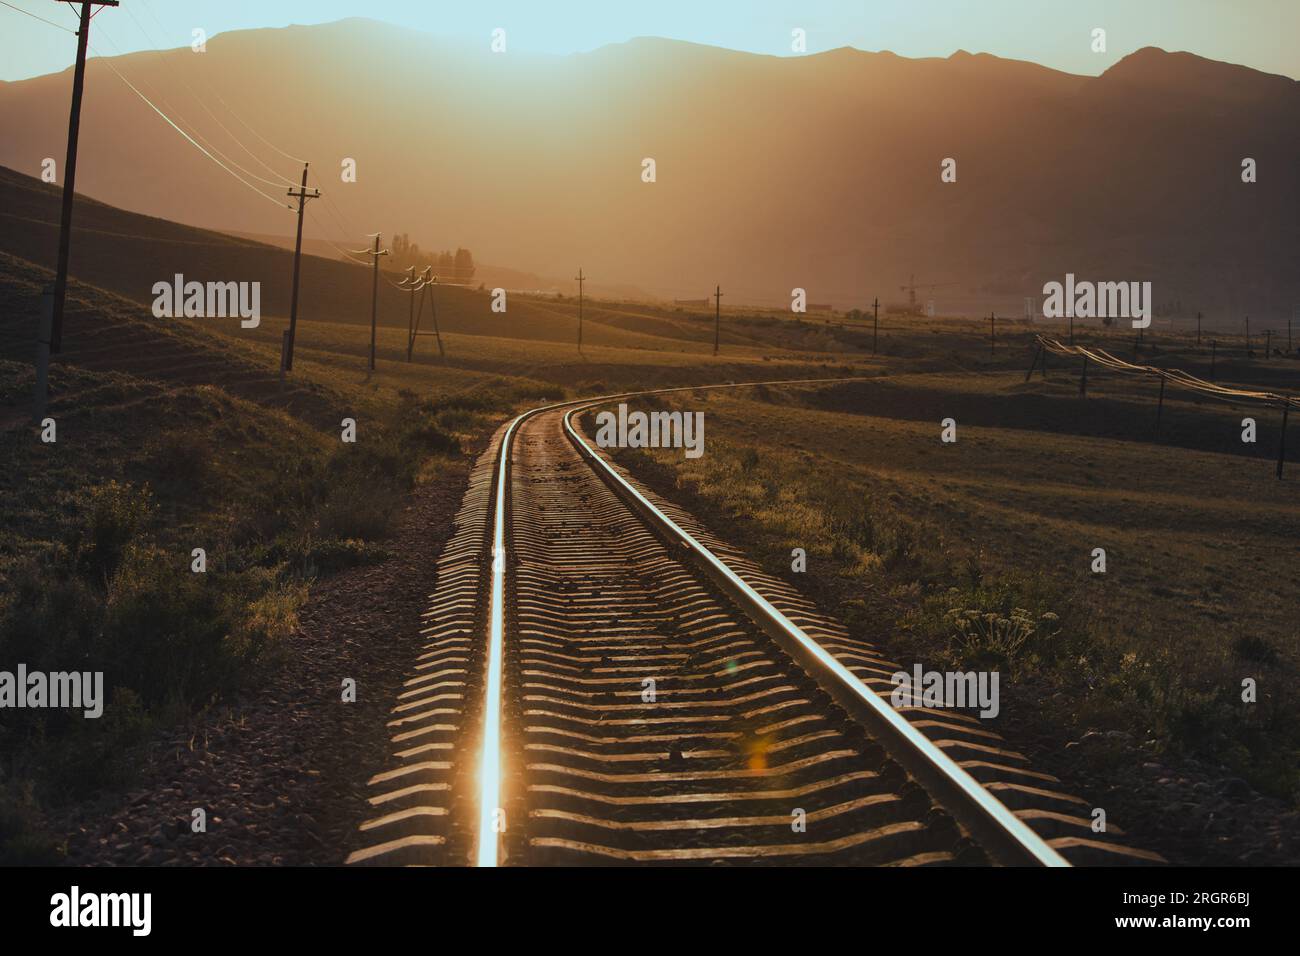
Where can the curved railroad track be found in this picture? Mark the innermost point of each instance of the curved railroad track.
(606, 682)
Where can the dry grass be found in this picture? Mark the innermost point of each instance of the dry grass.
(908, 538)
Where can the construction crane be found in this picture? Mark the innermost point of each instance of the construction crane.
(911, 288)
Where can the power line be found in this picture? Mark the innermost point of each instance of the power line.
(191, 139)
(1175, 376)
(194, 129)
(296, 160)
(57, 26)
(163, 56)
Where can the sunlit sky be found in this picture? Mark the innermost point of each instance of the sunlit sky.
(1057, 33)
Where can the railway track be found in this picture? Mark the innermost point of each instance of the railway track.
(606, 682)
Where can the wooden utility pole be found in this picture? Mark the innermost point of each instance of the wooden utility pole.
(1034, 363)
(70, 172)
(1160, 405)
(302, 196)
(580, 278)
(409, 282)
(433, 310)
(374, 298)
(717, 317)
(875, 323)
(40, 397)
(1281, 442)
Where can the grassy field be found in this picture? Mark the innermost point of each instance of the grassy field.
(176, 434)
(909, 539)
(179, 434)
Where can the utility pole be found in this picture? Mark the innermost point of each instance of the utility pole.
(409, 282)
(1198, 330)
(302, 195)
(70, 172)
(433, 310)
(875, 323)
(717, 317)
(374, 298)
(1281, 441)
(580, 280)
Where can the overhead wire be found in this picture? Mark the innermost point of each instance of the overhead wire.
(1178, 377)
(163, 56)
(57, 26)
(187, 136)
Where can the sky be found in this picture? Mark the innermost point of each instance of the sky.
(1057, 33)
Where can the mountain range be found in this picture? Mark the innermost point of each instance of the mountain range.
(820, 172)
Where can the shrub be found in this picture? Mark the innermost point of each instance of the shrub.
(117, 512)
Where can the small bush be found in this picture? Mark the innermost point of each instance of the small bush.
(117, 512)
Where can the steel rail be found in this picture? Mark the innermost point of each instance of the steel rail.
(989, 820)
(491, 769)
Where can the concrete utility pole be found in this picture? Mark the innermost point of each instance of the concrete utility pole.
(580, 278)
(302, 196)
(374, 298)
(717, 316)
(70, 172)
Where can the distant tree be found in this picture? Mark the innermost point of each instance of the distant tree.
(464, 265)
(446, 266)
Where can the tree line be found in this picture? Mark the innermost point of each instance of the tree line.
(448, 266)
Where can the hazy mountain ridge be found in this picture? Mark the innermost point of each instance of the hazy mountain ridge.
(773, 172)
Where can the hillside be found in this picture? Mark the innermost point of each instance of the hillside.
(126, 253)
(819, 171)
